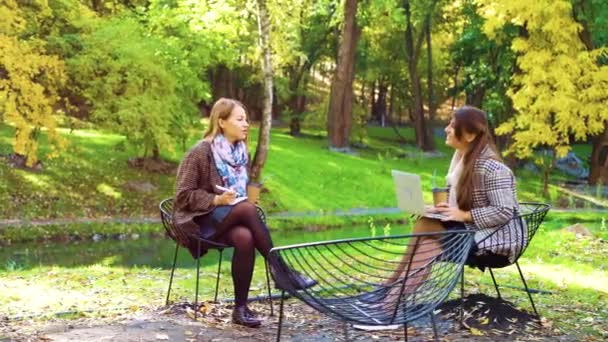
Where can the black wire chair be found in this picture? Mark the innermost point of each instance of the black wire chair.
(515, 235)
(166, 214)
(352, 276)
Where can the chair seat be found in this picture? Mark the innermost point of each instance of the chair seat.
(166, 213)
(350, 274)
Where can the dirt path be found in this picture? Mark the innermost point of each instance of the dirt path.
(301, 323)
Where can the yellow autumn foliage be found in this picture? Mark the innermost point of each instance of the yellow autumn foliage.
(29, 79)
(561, 92)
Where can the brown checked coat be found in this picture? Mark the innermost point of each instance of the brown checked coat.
(195, 189)
(495, 206)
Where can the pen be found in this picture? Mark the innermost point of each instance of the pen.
(223, 189)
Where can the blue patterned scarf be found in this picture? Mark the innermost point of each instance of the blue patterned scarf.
(231, 162)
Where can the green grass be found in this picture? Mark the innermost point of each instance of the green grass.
(91, 177)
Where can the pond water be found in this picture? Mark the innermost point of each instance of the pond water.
(153, 252)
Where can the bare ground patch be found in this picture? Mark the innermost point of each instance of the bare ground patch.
(486, 319)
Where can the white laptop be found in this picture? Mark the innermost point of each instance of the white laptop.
(409, 194)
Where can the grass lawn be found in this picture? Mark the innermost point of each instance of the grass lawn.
(92, 178)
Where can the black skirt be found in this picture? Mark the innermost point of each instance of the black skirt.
(208, 223)
(475, 258)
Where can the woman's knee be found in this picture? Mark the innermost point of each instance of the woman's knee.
(428, 225)
(247, 209)
(241, 238)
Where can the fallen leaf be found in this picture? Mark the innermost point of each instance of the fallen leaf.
(476, 332)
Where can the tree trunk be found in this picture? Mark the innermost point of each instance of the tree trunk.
(598, 172)
(298, 80)
(391, 103)
(156, 153)
(429, 50)
(261, 151)
(372, 96)
(379, 110)
(339, 117)
(456, 70)
(223, 84)
(423, 138)
(476, 97)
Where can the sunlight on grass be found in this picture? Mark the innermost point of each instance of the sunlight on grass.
(51, 290)
(566, 277)
(110, 260)
(108, 190)
(36, 179)
(98, 135)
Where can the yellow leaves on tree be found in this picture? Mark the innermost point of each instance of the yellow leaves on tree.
(560, 91)
(29, 80)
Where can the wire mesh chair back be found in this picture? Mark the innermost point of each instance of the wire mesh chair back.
(166, 215)
(514, 237)
(353, 275)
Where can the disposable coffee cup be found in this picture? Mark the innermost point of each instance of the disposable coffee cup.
(440, 195)
(253, 192)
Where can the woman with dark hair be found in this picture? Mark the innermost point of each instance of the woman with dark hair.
(202, 209)
(481, 197)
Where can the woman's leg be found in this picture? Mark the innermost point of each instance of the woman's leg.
(245, 214)
(243, 261)
(420, 252)
(426, 248)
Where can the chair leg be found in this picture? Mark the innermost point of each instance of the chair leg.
(268, 287)
(280, 316)
(198, 267)
(434, 324)
(495, 284)
(217, 276)
(527, 290)
(462, 298)
(345, 327)
(172, 272)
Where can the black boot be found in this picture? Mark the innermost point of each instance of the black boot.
(285, 278)
(242, 316)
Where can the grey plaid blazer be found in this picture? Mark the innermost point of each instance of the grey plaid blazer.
(194, 192)
(495, 206)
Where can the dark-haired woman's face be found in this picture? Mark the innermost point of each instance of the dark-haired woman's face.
(453, 141)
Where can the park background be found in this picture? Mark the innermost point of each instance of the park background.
(99, 101)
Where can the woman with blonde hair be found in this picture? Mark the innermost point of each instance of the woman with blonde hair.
(204, 210)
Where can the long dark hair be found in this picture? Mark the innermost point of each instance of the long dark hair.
(473, 121)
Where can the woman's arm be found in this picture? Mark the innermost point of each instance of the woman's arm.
(188, 196)
(499, 188)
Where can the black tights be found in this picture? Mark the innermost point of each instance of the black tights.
(244, 230)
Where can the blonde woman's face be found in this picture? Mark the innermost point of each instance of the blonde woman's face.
(235, 127)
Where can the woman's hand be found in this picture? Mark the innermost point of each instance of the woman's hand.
(454, 214)
(435, 208)
(225, 198)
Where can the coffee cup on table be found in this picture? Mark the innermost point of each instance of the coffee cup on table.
(440, 195)
(253, 192)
